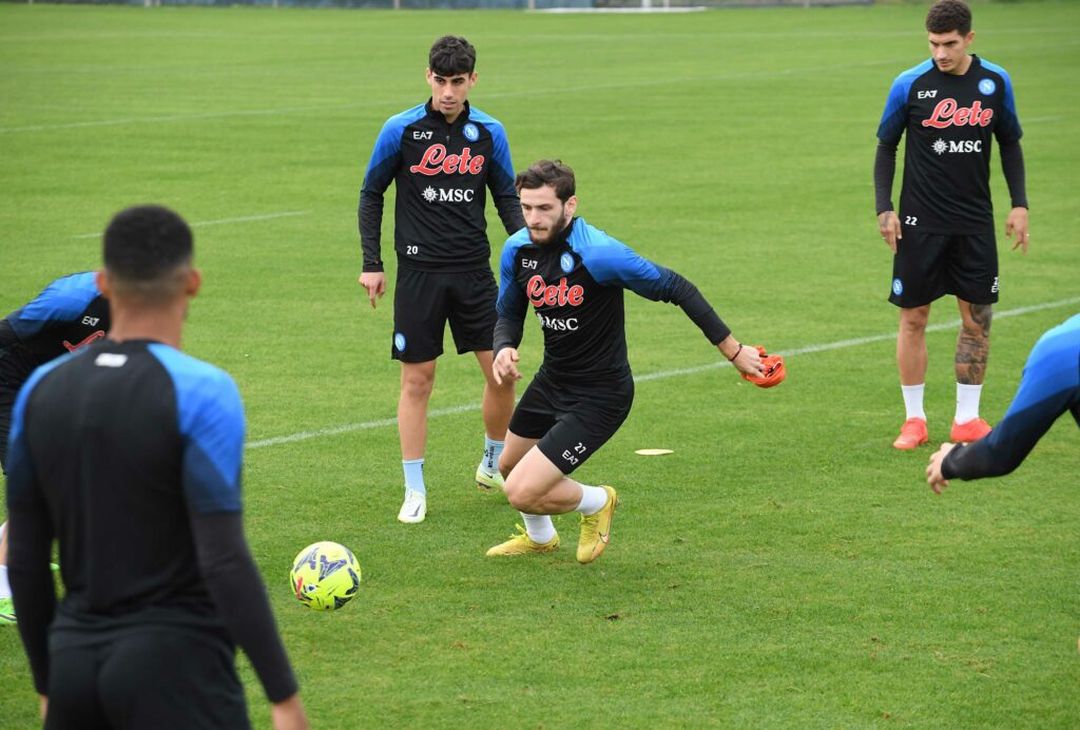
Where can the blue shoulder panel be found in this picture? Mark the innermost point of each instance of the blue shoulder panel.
(504, 166)
(511, 302)
(1008, 127)
(212, 428)
(894, 118)
(1053, 367)
(20, 470)
(61, 301)
(384, 158)
(612, 262)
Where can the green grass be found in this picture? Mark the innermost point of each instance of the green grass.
(785, 567)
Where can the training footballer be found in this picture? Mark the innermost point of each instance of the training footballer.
(950, 106)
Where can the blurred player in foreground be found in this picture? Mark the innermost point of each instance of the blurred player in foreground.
(572, 276)
(951, 106)
(68, 314)
(1049, 387)
(129, 453)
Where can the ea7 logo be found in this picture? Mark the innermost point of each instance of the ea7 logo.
(417, 134)
(927, 94)
(528, 264)
(92, 321)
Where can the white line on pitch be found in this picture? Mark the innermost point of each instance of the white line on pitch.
(223, 221)
(661, 375)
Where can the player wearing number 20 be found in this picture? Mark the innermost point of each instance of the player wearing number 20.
(943, 239)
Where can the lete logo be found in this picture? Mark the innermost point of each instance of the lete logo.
(540, 293)
(435, 160)
(948, 112)
(95, 336)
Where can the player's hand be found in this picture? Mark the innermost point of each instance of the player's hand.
(375, 283)
(933, 470)
(288, 714)
(43, 702)
(749, 361)
(504, 366)
(1017, 223)
(889, 227)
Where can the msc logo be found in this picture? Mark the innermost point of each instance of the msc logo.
(569, 324)
(453, 195)
(927, 94)
(417, 134)
(940, 146)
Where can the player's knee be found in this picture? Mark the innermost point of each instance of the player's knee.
(519, 495)
(914, 320)
(417, 385)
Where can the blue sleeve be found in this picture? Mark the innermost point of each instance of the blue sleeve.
(1007, 130)
(894, 118)
(61, 301)
(613, 263)
(501, 179)
(511, 303)
(386, 156)
(1050, 386)
(211, 425)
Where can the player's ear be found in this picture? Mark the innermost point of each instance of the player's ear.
(428, 75)
(969, 38)
(102, 281)
(193, 282)
(571, 205)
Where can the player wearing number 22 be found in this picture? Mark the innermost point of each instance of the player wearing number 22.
(572, 276)
(943, 239)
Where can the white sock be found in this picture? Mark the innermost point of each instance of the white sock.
(967, 402)
(540, 528)
(593, 500)
(5, 589)
(913, 400)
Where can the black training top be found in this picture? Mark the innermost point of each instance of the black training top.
(129, 455)
(68, 314)
(575, 285)
(949, 120)
(441, 170)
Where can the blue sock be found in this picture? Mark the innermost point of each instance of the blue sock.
(414, 475)
(492, 449)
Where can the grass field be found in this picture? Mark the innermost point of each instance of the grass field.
(785, 567)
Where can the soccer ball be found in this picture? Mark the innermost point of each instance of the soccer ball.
(325, 576)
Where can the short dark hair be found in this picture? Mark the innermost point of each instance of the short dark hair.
(946, 16)
(548, 172)
(452, 55)
(147, 249)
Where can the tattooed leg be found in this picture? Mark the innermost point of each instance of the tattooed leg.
(973, 345)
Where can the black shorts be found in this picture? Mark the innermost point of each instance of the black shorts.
(425, 300)
(927, 266)
(572, 420)
(167, 678)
